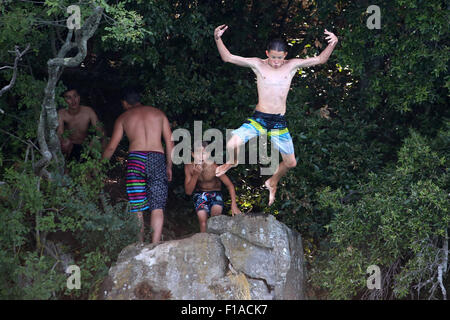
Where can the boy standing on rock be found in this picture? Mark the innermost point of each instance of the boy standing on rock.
(201, 182)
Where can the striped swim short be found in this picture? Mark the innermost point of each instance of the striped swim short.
(274, 125)
(146, 180)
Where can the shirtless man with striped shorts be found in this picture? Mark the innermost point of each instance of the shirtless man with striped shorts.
(148, 168)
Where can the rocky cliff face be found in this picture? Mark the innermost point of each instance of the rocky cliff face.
(241, 257)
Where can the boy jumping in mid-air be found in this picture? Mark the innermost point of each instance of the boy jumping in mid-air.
(201, 182)
(274, 76)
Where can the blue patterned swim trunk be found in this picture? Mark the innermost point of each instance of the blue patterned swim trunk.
(205, 200)
(274, 125)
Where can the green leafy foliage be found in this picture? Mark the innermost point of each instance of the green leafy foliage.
(33, 209)
(398, 222)
(366, 190)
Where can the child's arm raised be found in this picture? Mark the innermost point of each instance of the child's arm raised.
(226, 55)
(230, 186)
(320, 59)
(191, 174)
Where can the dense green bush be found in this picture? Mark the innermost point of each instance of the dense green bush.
(34, 210)
(398, 219)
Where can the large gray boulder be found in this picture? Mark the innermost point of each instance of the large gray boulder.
(241, 257)
(263, 248)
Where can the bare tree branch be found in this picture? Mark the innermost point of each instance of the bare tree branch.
(21, 140)
(48, 121)
(81, 38)
(442, 268)
(19, 56)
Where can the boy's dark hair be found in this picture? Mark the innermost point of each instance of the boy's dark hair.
(277, 45)
(70, 88)
(131, 96)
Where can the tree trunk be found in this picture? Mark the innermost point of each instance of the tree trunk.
(48, 121)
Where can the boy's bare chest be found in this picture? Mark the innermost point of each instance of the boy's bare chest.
(281, 78)
(77, 122)
(208, 173)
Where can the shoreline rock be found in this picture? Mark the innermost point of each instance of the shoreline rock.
(242, 257)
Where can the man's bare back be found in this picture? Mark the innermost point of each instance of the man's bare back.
(143, 126)
(148, 170)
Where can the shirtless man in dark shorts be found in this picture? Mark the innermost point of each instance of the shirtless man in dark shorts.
(201, 182)
(76, 119)
(274, 76)
(148, 168)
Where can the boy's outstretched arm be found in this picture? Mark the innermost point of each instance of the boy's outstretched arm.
(230, 186)
(226, 55)
(320, 59)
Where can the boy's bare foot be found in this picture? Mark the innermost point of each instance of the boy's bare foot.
(272, 191)
(221, 170)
